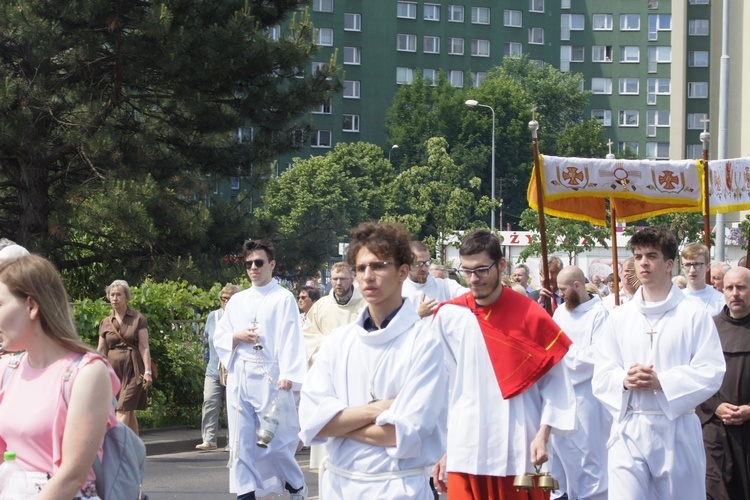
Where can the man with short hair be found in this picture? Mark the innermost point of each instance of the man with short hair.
(510, 389)
(629, 283)
(308, 295)
(377, 392)
(438, 271)
(555, 265)
(718, 270)
(521, 274)
(580, 460)
(658, 358)
(259, 340)
(726, 415)
(695, 259)
(424, 290)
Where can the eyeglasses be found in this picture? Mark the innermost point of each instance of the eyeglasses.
(340, 279)
(697, 265)
(480, 272)
(258, 263)
(421, 263)
(377, 267)
(225, 299)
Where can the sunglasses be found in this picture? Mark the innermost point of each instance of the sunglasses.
(258, 263)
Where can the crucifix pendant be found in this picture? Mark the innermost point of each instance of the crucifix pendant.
(651, 337)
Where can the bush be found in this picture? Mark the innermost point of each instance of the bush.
(176, 314)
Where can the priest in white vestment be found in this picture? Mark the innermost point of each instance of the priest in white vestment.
(425, 291)
(377, 392)
(658, 359)
(580, 460)
(259, 340)
(695, 261)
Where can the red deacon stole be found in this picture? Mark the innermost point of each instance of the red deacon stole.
(522, 340)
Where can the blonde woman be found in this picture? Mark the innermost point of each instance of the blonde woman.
(68, 432)
(123, 338)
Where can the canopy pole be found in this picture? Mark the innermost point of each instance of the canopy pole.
(613, 237)
(534, 126)
(705, 137)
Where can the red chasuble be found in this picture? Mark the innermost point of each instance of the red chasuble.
(522, 340)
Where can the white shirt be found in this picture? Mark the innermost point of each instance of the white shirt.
(712, 300)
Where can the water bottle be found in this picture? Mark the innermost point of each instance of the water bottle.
(13, 482)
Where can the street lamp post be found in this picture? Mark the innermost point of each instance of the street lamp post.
(395, 146)
(472, 104)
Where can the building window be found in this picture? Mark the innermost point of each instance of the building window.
(323, 5)
(513, 50)
(601, 86)
(234, 183)
(698, 59)
(350, 123)
(244, 134)
(627, 147)
(325, 37)
(274, 33)
(318, 67)
(456, 46)
(478, 78)
(629, 86)
(536, 5)
(456, 13)
(536, 36)
(352, 55)
(406, 43)
(630, 54)
(698, 2)
(569, 54)
(565, 4)
(352, 22)
(456, 78)
(630, 22)
(432, 44)
(657, 86)
(577, 53)
(406, 10)
(657, 150)
(694, 151)
(404, 75)
(695, 120)
(430, 76)
(431, 12)
(656, 119)
(658, 55)
(321, 139)
(601, 53)
(351, 89)
(653, 4)
(601, 22)
(656, 23)
(480, 15)
(480, 48)
(512, 18)
(577, 22)
(603, 116)
(323, 109)
(697, 90)
(628, 118)
(698, 27)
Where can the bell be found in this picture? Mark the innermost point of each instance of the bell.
(546, 482)
(556, 485)
(525, 482)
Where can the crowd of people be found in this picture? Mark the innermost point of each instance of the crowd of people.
(406, 382)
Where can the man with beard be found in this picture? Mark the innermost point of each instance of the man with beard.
(726, 415)
(718, 270)
(555, 265)
(658, 358)
(424, 290)
(629, 283)
(510, 389)
(580, 460)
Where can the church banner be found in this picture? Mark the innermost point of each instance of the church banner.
(729, 185)
(577, 188)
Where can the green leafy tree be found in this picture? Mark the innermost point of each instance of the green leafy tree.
(563, 235)
(97, 92)
(310, 208)
(438, 199)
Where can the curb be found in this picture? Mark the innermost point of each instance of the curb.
(176, 440)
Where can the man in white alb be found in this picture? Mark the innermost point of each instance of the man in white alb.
(259, 340)
(658, 358)
(377, 392)
(695, 259)
(423, 288)
(580, 460)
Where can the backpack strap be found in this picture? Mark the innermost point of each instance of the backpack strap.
(15, 360)
(66, 381)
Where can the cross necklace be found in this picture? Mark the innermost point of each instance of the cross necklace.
(653, 332)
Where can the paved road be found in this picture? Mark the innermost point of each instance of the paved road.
(195, 475)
